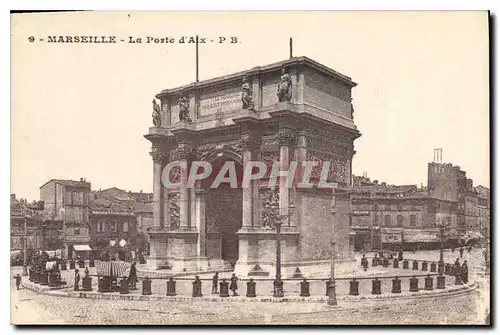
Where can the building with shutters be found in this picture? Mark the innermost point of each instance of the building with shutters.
(387, 216)
(68, 201)
(114, 224)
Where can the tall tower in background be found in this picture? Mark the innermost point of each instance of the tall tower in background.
(443, 179)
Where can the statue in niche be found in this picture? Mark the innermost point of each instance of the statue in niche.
(184, 110)
(285, 86)
(156, 114)
(246, 94)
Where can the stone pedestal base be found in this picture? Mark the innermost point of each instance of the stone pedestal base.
(308, 269)
(156, 263)
(188, 264)
(257, 256)
(174, 250)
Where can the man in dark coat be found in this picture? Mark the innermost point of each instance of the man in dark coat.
(133, 273)
(18, 281)
(465, 273)
(234, 284)
(215, 283)
(461, 252)
(77, 280)
(456, 268)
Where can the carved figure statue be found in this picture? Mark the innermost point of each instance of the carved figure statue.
(184, 110)
(246, 94)
(285, 86)
(156, 114)
(174, 213)
(269, 214)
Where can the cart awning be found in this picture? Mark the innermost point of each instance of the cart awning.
(82, 247)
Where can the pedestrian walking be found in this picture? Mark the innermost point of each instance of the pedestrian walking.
(234, 285)
(461, 252)
(77, 280)
(87, 271)
(18, 281)
(465, 273)
(215, 283)
(469, 249)
(452, 250)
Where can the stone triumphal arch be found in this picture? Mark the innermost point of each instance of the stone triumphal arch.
(294, 110)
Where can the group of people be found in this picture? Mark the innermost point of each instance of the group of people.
(461, 270)
(233, 286)
(76, 284)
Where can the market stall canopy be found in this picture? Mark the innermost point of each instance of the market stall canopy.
(82, 247)
(113, 268)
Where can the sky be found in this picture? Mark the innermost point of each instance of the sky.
(81, 110)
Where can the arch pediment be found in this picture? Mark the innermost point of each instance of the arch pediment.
(225, 153)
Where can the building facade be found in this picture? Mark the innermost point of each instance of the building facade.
(68, 201)
(390, 217)
(114, 223)
(32, 229)
(295, 110)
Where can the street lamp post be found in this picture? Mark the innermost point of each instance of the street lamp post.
(25, 258)
(273, 211)
(64, 246)
(332, 296)
(441, 250)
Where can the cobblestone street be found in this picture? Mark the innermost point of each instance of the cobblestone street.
(469, 308)
(30, 307)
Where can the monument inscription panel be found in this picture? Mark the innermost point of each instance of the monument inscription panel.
(220, 103)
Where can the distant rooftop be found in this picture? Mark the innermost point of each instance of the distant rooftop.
(68, 182)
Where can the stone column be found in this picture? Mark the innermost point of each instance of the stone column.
(248, 145)
(166, 204)
(157, 155)
(300, 157)
(256, 194)
(183, 154)
(201, 222)
(285, 139)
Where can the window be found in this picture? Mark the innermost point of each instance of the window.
(387, 220)
(400, 220)
(114, 227)
(413, 220)
(125, 227)
(76, 231)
